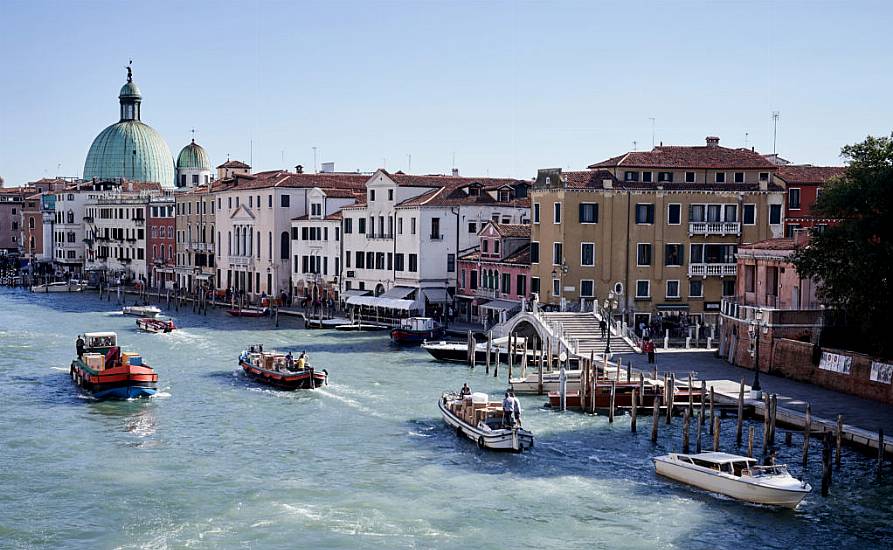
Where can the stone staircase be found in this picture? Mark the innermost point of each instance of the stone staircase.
(581, 330)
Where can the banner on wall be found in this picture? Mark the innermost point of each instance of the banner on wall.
(881, 372)
(835, 362)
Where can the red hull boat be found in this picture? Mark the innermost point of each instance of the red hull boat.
(275, 369)
(248, 312)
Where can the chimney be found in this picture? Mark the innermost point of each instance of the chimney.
(327, 168)
(455, 172)
(299, 169)
(608, 183)
(712, 141)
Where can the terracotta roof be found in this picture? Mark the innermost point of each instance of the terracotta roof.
(283, 178)
(770, 244)
(700, 156)
(808, 174)
(518, 257)
(521, 230)
(593, 179)
(451, 193)
(233, 164)
(334, 216)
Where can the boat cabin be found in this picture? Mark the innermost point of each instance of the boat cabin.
(99, 342)
(721, 462)
(418, 324)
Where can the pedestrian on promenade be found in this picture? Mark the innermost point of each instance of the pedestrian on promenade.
(648, 347)
(604, 326)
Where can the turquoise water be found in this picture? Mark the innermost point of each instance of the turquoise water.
(218, 461)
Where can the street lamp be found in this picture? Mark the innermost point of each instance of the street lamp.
(754, 332)
(610, 305)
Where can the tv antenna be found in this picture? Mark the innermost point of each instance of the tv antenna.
(635, 143)
(651, 118)
(775, 115)
(314, 158)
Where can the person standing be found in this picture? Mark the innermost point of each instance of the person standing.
(79, 345)
(508, 410)
(516, 408)
(604, 327)
(648, 347)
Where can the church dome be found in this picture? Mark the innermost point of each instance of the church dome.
(194, 157)
(130, 149)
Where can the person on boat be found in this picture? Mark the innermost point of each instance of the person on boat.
(302, 360)
(508, 410)
(465, 390)
(289, 362)
(79, 345)
(516, 407)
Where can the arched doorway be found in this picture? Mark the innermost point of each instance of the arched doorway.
(379, 289)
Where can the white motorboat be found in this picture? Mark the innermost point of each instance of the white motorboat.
(141, 311)
(60, 286)
(530, 383)
(457, 351)
(734, 476)
(479, 419)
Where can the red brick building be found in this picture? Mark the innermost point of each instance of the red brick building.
(803, 183)
(161, 243)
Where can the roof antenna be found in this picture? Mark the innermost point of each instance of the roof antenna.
(652, 131)
(746, 140)
(635, 143)
(453, 165)
(775, 115)
(314, 160)
(409, 159)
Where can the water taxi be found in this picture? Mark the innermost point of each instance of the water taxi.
(151, 324)
(61, 286)
(281, 370)
(457, 351)
(415, 330)
(105, 371)
(141, 311)
(481, 420)
(734, 476)
(248, 312)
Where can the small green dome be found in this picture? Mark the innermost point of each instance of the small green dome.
(130, 150)
(130, 91)
(193, 156)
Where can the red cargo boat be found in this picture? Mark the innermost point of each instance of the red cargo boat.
(280, 370)
(105, 371)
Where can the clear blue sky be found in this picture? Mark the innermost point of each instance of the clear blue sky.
(508, 87)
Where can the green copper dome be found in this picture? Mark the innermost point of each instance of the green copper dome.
(193, 156)
(130, 149)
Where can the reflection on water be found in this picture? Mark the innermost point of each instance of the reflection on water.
(215, 459)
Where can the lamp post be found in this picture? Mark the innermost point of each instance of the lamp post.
(754, 332)
(610, 305)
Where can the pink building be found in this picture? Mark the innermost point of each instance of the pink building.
(494, 279)
(767, 278)
(161, 243)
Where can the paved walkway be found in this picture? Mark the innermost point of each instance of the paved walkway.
(825, 403)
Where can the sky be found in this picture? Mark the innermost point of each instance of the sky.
(497, 88)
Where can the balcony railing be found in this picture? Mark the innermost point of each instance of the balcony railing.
(712, 270)
(139, 221)
(380, 236)
(714, 228)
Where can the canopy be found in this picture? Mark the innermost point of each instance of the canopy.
(436, 295)
(378, 301)
(354, 292)
(399, 292)
(499, 305)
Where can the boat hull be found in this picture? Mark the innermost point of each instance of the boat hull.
(59, 288)
(149, 324)
(128, 382)
(731, 487)
(141, 312)
(247, 312)
(360, 327)
(497, 440)
(304, 380)
(412, 337)
(458, 353)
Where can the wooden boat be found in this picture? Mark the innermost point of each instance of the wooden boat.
(108, 373)
(360, 327)
(479, 419)
(248, 312)
(141, 311)
(734, 476)
(276, 369)
(415, 330)
(61, 286)
(150, 324)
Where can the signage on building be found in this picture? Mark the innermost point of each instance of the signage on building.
(711, 306)
(835, 362)
(881, 372)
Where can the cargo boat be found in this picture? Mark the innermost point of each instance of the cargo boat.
(480, 420)
(276, 369)
(108, 373)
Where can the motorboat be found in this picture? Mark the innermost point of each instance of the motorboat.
(476, 417)
(109, 373)
(734, 476)
(151, 324)
(248, 312)
(416, 330)
(315, 322)
(457, 351)
(141, 311)
(281, 369)
(61, 286)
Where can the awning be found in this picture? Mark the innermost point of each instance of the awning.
(355, 292)
(499, 305)
(399, 292)
(378, 301)
(436, 295)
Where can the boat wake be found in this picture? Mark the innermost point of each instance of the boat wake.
(349, 402)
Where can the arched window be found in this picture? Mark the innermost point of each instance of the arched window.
(283, 245)
(31, 222)
(31, 243)
(229, 243)
(70, 216)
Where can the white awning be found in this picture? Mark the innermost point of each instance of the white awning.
(499, 305)
(399, 292)
(436, 295)
(354, 292)
(378, 301)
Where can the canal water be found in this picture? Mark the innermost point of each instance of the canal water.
(216, 461)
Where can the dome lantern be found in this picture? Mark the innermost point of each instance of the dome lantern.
(130, 98)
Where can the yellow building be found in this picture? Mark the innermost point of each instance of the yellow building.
(659, 227)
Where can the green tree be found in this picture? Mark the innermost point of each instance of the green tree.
(853, 259)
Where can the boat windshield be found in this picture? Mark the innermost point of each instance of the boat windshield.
(766, 471)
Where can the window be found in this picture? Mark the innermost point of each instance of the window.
(348, 226)
(390, 194)
(794, 199)
(536, 212)
(316, 209)
(750, 214)
(672, 289)
(485, 245)
(379, 260)
(730, 213)
(347, 259)
(588, 212)
(451, 263)
(587, 254)
(643, 254)
(665, 177)
(534, 284)
(473, 279)
(361, 226)
(749, 278)
(284, 201)
(643, 289)
(556, 254)
(472, 227)
(714, 212)
(496, 246)
(556, 215)
(556, 287)
(646, 177)
(774, 214)
(270, 201)
(534, 252)
(764, 176)
(630, 176)
(412, 226)
(435, 229)
(360, 260)
(644, 213)
(672, 254)
(371, 195)
(674, 214)
(507, 283)
(413, 263)
(695, 288)
(739, 177)
(398, 261)
(370, 260)
(587, 288)
(728, 287)
(720, 177)
(520, 285)
(689, 177)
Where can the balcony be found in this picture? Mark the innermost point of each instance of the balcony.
(382, 237)
(241, 261)
(139, 221)
(714, 228)
(88, 219)
(712, 270)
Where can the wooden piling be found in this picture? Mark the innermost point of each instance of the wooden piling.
(634, 411)
(773, 411)
(524, 360)
(826, 464)
(739, 425)
(584, 375)
(655, 418)
(788, 438)
(691, 396)
(611, 405)
(807, 426)
(698, 430)
(671, 397)
(539, 385)
(628, 371)
(712, 414)
(838, 439)
(513, 344)
(750, 442)
(489, 351)
(472, 347)
(715, 434)
(766, 413)
(880, 451)
(686, 419)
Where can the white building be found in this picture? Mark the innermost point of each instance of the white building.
(402, 244)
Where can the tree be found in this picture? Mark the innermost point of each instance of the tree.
(853, 259)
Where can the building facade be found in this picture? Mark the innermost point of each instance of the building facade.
(660, 228)
(803, 183)
(11, 201)
(196, 236)
(160, 241)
